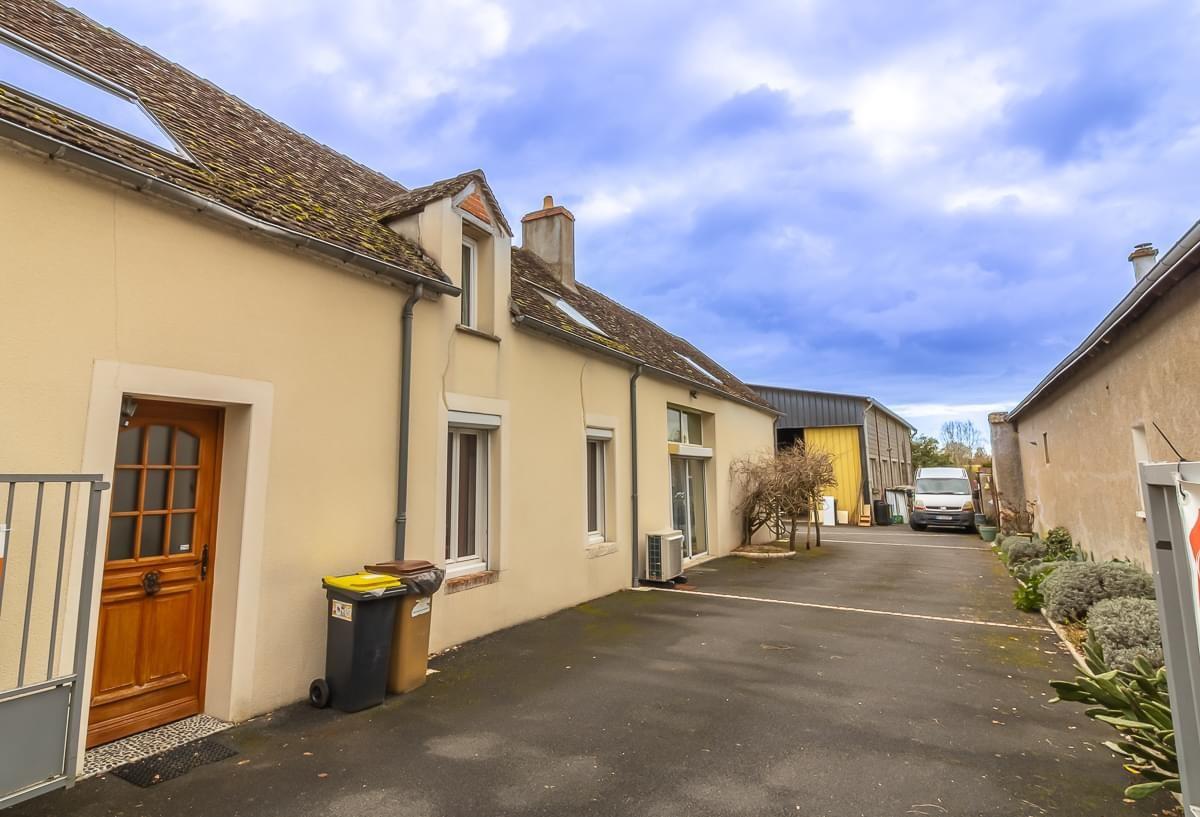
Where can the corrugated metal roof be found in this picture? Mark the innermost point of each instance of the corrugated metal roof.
(814, 409)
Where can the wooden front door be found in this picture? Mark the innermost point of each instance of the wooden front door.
(152, 637)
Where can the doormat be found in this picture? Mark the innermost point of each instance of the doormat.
(173, 763)
(105, 758)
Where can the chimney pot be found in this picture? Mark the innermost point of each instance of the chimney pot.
(549, 233)
(1143, 259)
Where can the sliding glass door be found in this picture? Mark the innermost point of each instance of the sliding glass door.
(688, 506)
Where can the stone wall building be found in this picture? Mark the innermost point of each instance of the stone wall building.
(1072, 446)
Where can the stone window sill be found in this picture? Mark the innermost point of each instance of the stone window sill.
(595, 551)
(477, 579)
(478, 333)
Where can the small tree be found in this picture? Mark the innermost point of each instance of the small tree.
(755, 483)
(808, 474)
(960, 439)
(926, 453)
(778, 490)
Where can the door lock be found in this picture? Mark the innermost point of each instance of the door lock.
(204, 563)
(152, 582)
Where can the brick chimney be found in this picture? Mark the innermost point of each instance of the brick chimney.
(1143, 258)
(549, 233)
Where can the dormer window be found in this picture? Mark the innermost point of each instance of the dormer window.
(470, 283)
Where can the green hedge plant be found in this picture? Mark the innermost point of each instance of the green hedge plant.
(1074, 587)
(1025, 571)
(1125, 628)
(1025, 551)
(1028, 596)
(1136, 704)
(1059, 542)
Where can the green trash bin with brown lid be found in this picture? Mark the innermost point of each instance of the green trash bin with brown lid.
(410, 633)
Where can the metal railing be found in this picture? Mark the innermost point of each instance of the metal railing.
(45, 708)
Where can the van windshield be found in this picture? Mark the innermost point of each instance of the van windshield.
(943, 485)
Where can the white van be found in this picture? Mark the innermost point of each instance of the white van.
(942, 496)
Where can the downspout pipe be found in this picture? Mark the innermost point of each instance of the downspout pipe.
(406, 324)
(633, 441)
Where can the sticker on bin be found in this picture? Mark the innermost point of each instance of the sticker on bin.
(421, 607)
(343, 610)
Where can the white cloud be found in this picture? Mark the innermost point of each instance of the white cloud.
(928, 417)
(721, 60)
(923, 411)
(927, 100)
(601, 207)
(1032, 197)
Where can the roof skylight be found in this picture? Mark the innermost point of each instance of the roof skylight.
(28, 69)
(698, 367)
(574, 314)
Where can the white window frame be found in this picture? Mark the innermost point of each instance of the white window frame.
(469, 315)
(597, 480)
(1141, 454)
(478, 560)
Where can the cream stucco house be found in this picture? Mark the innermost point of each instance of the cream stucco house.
(288, 365)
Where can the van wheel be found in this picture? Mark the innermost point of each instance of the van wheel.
(915, 526)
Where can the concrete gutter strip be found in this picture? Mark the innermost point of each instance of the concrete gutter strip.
(1058, 631)
(1062, 636)
(1156, 281)
(56, 149)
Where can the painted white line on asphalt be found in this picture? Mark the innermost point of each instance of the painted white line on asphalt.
(891, 533)
(899, 544)
(840, 609)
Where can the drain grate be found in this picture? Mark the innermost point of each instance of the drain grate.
(173, 762)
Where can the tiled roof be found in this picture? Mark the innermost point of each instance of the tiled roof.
(246, 160)
(253, 164)
(626, 332)
(412, 200)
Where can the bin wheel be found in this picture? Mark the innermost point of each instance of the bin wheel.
(318, 693)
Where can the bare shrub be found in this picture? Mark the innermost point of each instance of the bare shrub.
(778, 490)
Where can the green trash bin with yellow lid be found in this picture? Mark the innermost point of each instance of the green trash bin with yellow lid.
(360, 615)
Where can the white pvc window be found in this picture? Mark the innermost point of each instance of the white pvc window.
(466, 498)
(684, 427)
(470, 283)
(1141, 454)
(597, 450)
(51, 79)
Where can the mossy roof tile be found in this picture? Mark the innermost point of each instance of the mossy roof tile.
(625, 330)
(244, 158)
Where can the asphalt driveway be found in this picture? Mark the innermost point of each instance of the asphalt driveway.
(885, 674)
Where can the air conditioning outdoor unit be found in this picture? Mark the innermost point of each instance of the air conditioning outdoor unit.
(664, 555)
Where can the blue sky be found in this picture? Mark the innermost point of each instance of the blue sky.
(928, 203)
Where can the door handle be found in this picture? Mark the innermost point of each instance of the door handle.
(204, 563)
(151, 583)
